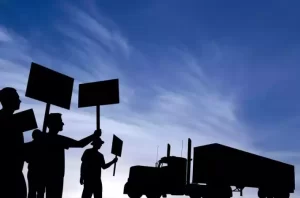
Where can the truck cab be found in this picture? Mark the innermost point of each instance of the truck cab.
(173, 174)
(167, 177)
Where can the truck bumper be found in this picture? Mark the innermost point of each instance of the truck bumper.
(126, 189)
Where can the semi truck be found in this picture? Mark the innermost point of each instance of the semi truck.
(218, 171)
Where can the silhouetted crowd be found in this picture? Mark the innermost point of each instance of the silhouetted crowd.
(45, 156)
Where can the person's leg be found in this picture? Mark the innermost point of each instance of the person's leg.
(54, 187)
(98, 189)
(50, 188)
(21, 188)
(41, 187)
(60, 187)
(87, 190)
(47, 186)
(40, 194)
(31, 185)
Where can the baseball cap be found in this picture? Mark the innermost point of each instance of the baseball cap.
(97, 141)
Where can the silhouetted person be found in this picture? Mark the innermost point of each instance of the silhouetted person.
(92, 162)
(35, 157)
(56, 145)
(12, 156)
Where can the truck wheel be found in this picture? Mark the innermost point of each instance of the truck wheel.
(262, 193)
(218, 192)
(134, 195)
(282, 195)
(266, 196)
(153, 196)
(267, 193)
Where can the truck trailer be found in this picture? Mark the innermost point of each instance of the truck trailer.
(218, 170)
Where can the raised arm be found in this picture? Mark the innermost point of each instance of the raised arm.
(105, 166)
(71, 143)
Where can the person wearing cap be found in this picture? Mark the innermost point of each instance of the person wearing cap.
(12, 159)
(55, 146)
(35, 157)
(90, 176)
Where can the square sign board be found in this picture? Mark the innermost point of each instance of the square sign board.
(25, 120)
(49, 86)
(99, 93)
(117, 146)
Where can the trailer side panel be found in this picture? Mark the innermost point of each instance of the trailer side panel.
(220, 163)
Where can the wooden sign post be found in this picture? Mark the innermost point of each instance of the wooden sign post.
(97, 94)
(116, 149)
(50, 87)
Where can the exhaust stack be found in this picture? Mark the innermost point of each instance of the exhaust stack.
(168, 150)
(189, 161)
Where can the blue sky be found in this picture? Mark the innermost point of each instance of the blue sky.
(215, 71)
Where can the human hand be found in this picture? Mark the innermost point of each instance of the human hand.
(37, 134)
(81, 181)
(98, 133)
(115, 159)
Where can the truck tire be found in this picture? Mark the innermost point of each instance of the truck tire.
(282, 195)
(153, 196)
(134, 195)
(264, 193)
(195, 196)
(218, 191)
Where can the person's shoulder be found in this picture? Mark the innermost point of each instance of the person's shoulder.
(55, 139)
(87, 151)
(100, 154)
(62, 137)
(3, 117)
(101, 158)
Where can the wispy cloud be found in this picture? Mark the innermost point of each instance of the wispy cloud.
(155, 113)
(4, 36)
(91, 31)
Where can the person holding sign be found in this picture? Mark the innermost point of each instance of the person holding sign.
(55, 151)
(35, 158)
(12, 161)
(90, 176)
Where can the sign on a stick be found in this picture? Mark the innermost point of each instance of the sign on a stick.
(117, 145)
(49, 86)
(25, 120)
(116, 149)
(99, 93)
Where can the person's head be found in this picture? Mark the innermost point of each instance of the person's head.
(36, 134)
(54, 122)
(97, 143)
(10, 99)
